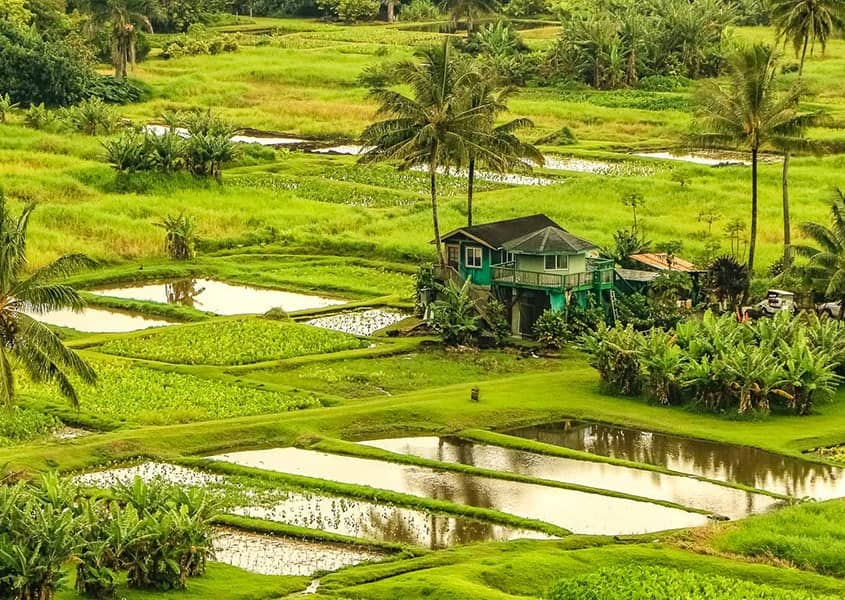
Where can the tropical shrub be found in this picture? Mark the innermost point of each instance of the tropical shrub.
(727, 280)
(551, 329)
(664, 583)
(38, 116)
(6, 106)
(720, 364)
(194, 45)
(351, 11)
(128, 152)
(179, 238)
(91, 117)
(419, 10)
(496, 316)
(455, 314)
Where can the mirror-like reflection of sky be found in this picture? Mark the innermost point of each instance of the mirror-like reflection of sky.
(723, 462)
(220, 298)
(686, 491)
(98, 320)
(579, 512)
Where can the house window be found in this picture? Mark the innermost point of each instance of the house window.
(453, 255)
(505, 256)
(558, 262)
(473, 257)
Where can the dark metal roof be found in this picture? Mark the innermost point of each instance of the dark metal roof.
(548, 240)
(494, 235)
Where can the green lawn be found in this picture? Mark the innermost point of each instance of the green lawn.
(363, 377)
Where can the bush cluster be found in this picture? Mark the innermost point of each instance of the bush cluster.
(721, 364)
(90, 117)
(197, 42)
(202, 148)
(158, 534)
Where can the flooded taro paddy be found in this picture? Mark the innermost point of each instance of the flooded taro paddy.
(607, 515)
(723, 462)
(220, 298)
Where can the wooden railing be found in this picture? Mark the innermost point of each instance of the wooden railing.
(506, 273)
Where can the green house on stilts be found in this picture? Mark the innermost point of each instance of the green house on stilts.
(531, 264)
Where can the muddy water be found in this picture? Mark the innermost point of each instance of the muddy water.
(715, 498)
(98, 320)
(220, 298)
(274, 555)
(723, 462)
(577, 511)
(346, 516)
(382, 522)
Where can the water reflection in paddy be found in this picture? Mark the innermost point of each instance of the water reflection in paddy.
(718, 499)
(577, 511)
(723, 462)
(382, 522)
(220, 298)
(98, 320)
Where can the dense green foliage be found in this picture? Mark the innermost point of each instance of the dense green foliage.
(26, 343)
(133, 394)
(721, 364)
(232, 342)
(159, 534)
(21, 425)
(35, 70)
(662, 583)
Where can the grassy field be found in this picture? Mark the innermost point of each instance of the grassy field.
(319, 223)
(299, 83)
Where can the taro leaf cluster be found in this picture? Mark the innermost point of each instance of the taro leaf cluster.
(721, 365)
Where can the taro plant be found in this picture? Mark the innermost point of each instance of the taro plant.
(6, 106)
(455, 314)
(615, 353)
(551, 329)
(127, 153)
(179, 238)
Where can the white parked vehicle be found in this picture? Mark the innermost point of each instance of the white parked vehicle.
(776, 301)
(830, 309)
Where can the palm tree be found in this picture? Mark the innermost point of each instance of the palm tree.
(496, 147)
(805, 22)
(826, 266)
(470, 10)
(123, 16)
(747, 112)
(434, 128)
(24, 341)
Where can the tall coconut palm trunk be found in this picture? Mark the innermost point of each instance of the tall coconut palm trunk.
(470, 187)
(787, 230)
(435, 217)
(752, 243)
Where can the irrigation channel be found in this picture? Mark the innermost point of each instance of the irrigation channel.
(688, 482)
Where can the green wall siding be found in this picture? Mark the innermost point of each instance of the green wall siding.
(482, 276)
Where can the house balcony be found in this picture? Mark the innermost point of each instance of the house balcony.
(599, 275)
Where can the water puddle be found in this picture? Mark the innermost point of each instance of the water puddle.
(98, 320)
(579, 512)
(363, 323)
(721, 500)
(220, 298)
(274, 555)
(263, 140)
(66, 433)
(595, 167)
(504, 178)
(723, 462)
(709, 158)
(346, 149)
